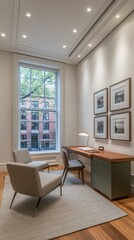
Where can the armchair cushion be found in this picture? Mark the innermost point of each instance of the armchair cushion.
(39, 164)
(49, 182)
(23, 156)
(75, 163)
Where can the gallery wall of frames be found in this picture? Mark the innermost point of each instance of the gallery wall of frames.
(118, 100)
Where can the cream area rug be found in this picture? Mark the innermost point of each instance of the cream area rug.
(79, 207)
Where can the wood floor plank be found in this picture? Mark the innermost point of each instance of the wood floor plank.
(125, 229)
(98, 234)
(2, 180)
(112, 232)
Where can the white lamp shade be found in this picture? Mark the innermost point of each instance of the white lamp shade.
(83, 134)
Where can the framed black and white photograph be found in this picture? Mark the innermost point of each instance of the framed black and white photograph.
(101, 127)
(120, 95)
(101, 101)
(120, 127)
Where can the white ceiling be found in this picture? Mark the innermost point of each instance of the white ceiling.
(51, 26)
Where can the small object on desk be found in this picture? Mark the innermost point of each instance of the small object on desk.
(93, 151)
(101, 148)
(85, 148)
(88, 149)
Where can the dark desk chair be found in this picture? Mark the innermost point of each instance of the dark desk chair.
(71, 165)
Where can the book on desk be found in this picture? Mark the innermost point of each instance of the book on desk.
(88, 149)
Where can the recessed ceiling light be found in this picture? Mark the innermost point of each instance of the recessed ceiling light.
(88, 9)
(3, 34)
(118, 16)
(28, 14)
(64, 46)
(24, 36)
(74, 30)
(90, 45)
(79, 56)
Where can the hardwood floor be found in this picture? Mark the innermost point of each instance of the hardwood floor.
(121, 229)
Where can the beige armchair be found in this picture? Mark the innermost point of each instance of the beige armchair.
(29, 181)
(23, 156)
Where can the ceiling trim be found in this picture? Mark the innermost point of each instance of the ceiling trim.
(94, 24)
(106, 36)
(100, 26)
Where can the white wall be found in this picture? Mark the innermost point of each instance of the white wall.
(112, 61)
(5, 106)
(70, 104)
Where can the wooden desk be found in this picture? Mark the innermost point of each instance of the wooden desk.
(110, 172)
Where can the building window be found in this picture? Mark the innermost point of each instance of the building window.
(23, 103)
(38, 108)
(46, 116)
(45, 136)
(23, 144)
(23, 125)
(23, 115)
(35, 104)
(23, 137)
(46, 126)
(34, 142)
(35, 126)
(45, 145)
(46, 104)
(35, 115)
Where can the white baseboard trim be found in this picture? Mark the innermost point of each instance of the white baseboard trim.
(2, 164)
(3, 167)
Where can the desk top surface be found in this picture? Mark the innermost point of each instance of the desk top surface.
(104, 155)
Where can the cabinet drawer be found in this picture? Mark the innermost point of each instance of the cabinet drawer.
(101, 168)
(100, 183)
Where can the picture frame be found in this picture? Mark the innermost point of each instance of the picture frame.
(101, 101)
(120, 126)
(101, 127)
(120, 95)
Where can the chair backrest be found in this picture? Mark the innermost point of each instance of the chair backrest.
(25, 179)
(65, 157)
(21, 156)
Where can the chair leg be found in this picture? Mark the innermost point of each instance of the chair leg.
(82, 175)
(37, 206)
(61, 190)
(38, 202)
(79, 173)
(63, 172)
(12, 200)
(65, 177)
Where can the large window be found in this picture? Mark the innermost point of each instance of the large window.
(38, 108)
